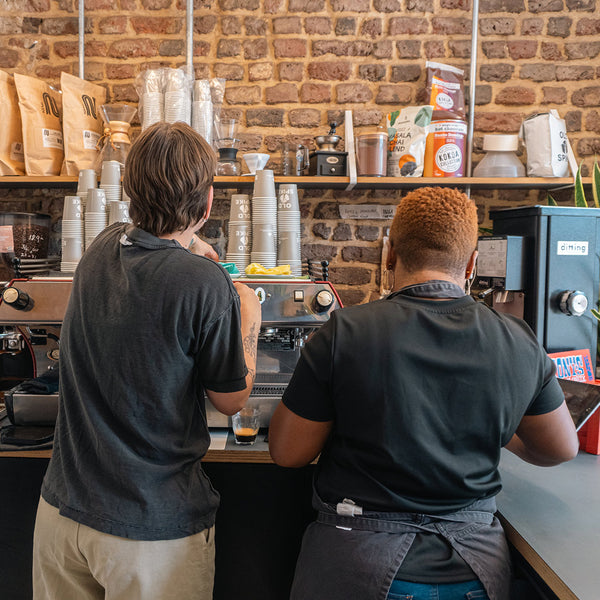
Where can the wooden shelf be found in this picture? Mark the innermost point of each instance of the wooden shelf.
(340, 183)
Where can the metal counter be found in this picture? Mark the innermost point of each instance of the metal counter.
(550, 515)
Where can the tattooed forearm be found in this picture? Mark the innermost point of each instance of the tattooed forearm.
(250, 341)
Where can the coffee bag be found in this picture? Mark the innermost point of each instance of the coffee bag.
(40, 106)
(12, 160)
(547, 145)
(407, 134)
(82, 125)
(446, 91)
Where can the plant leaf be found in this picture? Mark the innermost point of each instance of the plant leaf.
(580, 200)
(595, 313)
(550, 200)
(596, 184)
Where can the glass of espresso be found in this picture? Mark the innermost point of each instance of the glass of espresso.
(246, 424)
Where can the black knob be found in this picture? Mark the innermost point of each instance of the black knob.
(323, 300)
(16, 298)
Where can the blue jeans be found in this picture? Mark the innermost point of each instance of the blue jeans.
(466, 590)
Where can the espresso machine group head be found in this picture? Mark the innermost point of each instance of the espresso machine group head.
(542, 263)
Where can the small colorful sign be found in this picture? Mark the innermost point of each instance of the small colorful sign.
(575, 365)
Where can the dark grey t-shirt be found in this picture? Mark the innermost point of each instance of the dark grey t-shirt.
(423, 394)
(148, 326)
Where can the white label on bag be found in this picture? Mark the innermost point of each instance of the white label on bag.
(16, 152)
(572, 248)
(90, 139)
(52, 138)
(6, 239)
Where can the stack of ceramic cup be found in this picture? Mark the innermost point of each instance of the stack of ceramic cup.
(72, 234)
(110, 180)
(264, 220)
(288, 228)
(118, 212)
(95, 215)
(240, 232)
(86, 180)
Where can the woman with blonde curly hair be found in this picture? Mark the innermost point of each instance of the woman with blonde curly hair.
(409, 400)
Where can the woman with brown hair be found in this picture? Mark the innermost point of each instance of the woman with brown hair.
(127, 512)
(408, 401)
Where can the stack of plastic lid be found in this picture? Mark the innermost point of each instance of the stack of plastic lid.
(240, 232)
(72, 234)
(178, 96)
(288, 228)
(264, 220)
(202, 109)
(500, 159)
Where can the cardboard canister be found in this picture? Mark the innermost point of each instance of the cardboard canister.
(445, 149)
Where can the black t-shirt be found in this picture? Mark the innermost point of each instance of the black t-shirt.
(148, 326)
(423, 394)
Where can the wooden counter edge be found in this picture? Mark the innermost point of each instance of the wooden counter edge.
(537, 563)
(212, 456)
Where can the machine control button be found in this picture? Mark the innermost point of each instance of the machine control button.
(573, 302)
(298, 295)
(16, 298)
(323, 300)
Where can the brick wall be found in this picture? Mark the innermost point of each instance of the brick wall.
(293, 65)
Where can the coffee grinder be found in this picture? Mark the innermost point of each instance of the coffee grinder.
(327, 160)
(542, 264)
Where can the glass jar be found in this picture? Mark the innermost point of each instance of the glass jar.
(371, 153)
(115, 142)
(228, 164)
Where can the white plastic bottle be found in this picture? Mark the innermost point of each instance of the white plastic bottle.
(500, 159)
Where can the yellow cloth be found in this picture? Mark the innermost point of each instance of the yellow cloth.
(258, 269)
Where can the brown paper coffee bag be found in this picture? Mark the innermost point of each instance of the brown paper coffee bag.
(12, 160)
(40, 105)
(82, 125)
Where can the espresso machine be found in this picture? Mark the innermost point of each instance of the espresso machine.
(31, 314)
(542, 264)
(32, 310)
(291, 311)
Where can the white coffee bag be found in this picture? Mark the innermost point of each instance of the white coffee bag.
(407, 134)
(547, 145)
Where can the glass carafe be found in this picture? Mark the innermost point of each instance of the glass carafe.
(115, 142)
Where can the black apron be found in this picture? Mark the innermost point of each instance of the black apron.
(352, 554)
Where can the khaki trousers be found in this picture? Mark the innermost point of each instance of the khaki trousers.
(74, 562)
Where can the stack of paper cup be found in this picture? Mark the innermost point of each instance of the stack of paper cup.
(178, 99)
(152, 98)
(72, 234)
(288, 228)
(110, 180)
(118, 212)
(202, 109)
(95, 215)
(86, 180)
(240, 232)
(264, 220)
